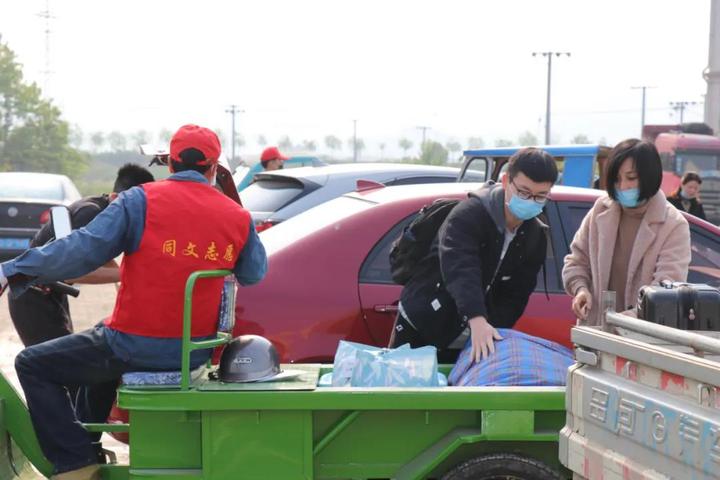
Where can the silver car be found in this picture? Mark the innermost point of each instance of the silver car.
(281, 194)
(25, 201)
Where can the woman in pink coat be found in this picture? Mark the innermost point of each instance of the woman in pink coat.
(630, 238)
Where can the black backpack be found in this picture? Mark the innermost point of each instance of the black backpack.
(416, 239)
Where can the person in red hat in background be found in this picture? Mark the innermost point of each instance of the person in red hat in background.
(272, 159)
(166, 230)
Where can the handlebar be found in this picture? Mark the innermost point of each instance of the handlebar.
(61, 287)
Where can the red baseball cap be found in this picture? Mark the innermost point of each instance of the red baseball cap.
(199, 138)
(272, 153)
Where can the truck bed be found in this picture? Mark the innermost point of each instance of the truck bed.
(642, 406)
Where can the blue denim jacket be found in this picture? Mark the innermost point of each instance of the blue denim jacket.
(119, 229)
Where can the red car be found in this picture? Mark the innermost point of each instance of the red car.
(329, 274)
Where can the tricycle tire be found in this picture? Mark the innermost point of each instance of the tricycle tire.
(502, 466)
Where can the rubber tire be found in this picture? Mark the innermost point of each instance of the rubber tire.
(502, 466)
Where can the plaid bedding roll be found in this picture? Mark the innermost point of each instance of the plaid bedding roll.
(519, 360)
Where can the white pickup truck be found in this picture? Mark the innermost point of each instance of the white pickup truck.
(643, 402)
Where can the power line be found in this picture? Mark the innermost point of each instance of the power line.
(549, 56)
(680, 107)
(619, 110)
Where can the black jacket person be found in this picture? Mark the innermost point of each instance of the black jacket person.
(483, 265)
(42, 316)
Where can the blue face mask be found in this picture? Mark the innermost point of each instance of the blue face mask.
(524, 209)
(628, 198)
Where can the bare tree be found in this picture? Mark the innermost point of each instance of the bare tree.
(453, 147)
(580, 138)
(140, 137)
(261, 140)
(503, 142)
(221, 136)
(97, 139)
(239, 141)
(309, 145)
(285, 143)
(76, 137)
(333, 142)
(164, 135)
(405, 144)
(527, 138)
(476, 142)
(117, 141)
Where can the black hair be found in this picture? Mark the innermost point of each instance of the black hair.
(647, 165)
(189, 159)
(538, 165)
(264, 163)
(131, 175)
(691, 177)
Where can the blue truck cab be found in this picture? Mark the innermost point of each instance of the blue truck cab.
(579, 165)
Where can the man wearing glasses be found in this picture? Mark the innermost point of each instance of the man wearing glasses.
(483, 264)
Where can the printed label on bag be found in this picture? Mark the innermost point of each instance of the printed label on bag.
(436, 304)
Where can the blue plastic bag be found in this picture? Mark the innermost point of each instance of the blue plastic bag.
(402, 367)
(326, 380)
(359, 365)
(519, 360)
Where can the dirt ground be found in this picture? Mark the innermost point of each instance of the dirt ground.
(94, 303)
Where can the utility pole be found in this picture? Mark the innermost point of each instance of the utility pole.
(642, 117)
(233, 110)
(355, 152)
(680, 107)
(549, 56)
(712, 72)
(47, 16)
(424, 130)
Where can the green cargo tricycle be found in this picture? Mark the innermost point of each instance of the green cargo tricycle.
(205, 429)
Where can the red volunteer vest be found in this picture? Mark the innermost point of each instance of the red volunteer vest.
(189, 226)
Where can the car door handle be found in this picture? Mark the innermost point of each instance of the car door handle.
(386, 308)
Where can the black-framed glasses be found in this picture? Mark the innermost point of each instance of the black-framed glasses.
(525, 195)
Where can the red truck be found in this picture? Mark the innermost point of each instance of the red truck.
(689, 147)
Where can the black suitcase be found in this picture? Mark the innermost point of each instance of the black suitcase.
(686, 306)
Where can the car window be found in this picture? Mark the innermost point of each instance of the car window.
(376, 267)
(551, 272)
(419, 180)
(475, 170)
(572, 214)
(705, 262)
(31, 186)
(553, 261)
(269, 195)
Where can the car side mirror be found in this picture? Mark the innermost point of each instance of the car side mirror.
(60, 221)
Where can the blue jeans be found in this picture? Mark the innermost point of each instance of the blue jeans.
(82, 361)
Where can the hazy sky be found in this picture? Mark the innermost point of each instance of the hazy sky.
(307, 69)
